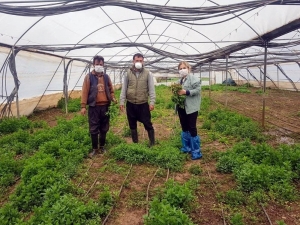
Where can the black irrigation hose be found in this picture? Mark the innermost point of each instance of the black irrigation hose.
(269, 220)
(147, 193)
(216, 189)
(80, 182)
(121, 188)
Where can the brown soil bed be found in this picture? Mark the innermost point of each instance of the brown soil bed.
(282, 121)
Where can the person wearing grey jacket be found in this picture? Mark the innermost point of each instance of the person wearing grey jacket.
(191, 87)
(137, 88)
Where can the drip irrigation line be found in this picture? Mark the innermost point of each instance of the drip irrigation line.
(215, 187)
(147, 196)
(92, 185)
(120, 190)
(266, 214)
(85, 173)
(168, 173)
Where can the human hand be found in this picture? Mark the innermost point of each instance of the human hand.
(122, 108)
(83, 111)
(182, 92)
(115, 100)
(151, 107)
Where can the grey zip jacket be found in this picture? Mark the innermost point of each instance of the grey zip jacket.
(192, 84)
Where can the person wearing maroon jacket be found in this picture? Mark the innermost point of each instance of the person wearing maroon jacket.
(97, 93)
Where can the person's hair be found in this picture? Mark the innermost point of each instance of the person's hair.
(99, 58)
(139, 55)
(186, 64)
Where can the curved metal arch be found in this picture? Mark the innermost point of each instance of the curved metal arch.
(147, 19)
(242, 21)
(129, 47)
(146, 27)
(117, 26)
(152, 34)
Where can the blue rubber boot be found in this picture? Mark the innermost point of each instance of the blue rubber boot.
(186, 141)
(195, 148)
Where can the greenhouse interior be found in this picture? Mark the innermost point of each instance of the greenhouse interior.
(246, 56)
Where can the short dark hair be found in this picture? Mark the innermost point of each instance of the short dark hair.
(139, 55)
(99, 58)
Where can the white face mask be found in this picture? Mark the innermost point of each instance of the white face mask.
(99, 69)
(138, 65)
(183, 72)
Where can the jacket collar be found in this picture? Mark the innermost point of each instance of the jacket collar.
(134, 70)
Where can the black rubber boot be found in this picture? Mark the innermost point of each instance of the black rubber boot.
(102, 149)
(102, 141)
(134, 136)
(151, 137)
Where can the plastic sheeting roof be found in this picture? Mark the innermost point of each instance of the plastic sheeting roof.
(165, 31)
(46, 46)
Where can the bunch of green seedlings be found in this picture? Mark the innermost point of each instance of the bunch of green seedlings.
(179, 100)
(172, 203)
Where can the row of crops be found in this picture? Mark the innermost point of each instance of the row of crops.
(38, 165)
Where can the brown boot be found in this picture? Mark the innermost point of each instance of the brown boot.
(93, 153)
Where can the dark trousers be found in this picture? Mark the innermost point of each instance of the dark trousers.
(98, 123)
(138, 112)
(188, 121)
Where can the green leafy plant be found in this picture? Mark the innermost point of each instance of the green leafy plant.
(163, 155)
(195, 169)
(73, 104)
(237, 219)
(162, 213)
(9, 215)
(234, 198)
(10, 125)
(176, 98)
(177, 195)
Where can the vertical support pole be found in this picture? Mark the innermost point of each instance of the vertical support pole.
(248, 77)
(209, 83)
(260, 76)
(264, 85)
(238, 77)
(18, 107)
(200, 75)
(114, 77)
(16, 83)
(226, 89)
(277, 77)
(65, 89)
